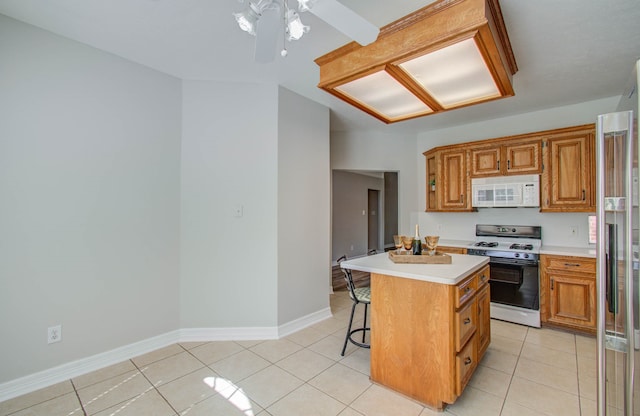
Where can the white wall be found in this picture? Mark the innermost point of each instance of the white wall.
(380, 152)
(89, 191)
(555, 226)
(229, 160)
(304, 264)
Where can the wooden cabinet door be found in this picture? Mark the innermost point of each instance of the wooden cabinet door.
(454, 195)
(484, 320)
(568, 182)
(572, 300)
(485, 161)
(431, 160)
(523, 158)
(568, 292)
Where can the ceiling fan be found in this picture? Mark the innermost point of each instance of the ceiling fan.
(265, 19)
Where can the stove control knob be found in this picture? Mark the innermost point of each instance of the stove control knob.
(526, 256)
(517, 255)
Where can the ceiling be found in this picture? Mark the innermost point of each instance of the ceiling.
(567, 51)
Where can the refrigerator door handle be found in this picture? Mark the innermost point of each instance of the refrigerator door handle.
(612, 268)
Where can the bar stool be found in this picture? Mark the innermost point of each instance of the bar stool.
(358, 295)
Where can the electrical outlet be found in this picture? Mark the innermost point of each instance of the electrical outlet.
(351, 247)
(54, 334)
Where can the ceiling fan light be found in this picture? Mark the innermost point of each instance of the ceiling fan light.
(305, 5)
(248, 19)
(295, 28)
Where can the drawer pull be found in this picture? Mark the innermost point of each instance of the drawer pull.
(467, 290)
(467, 361)
(483, 277)
(467, 321)
(572, 264)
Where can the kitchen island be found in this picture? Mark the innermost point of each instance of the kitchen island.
(430, 324)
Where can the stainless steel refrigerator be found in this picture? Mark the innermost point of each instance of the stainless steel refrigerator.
(618, 221)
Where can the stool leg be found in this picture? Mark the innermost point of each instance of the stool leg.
(365, 322)
(346, 339)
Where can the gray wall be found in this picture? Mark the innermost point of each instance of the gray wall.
(303, 207)
(229, 159)
(119, 189)
(89, 184)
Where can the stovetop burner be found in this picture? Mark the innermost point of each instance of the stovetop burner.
(486, 244)
(516, 246)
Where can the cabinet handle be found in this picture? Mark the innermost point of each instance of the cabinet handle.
(584, 195)
(572, 264)
(461, 200)
(508, 164)
(467, 321)
(498, 165)
(467, 361)
(551, 284)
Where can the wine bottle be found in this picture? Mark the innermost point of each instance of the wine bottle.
(417, 244)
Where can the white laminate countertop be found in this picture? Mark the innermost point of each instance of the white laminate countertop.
(461, 266)
(569, 251)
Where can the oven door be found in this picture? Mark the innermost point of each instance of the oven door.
(515, 283)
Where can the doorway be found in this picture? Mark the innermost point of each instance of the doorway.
(373, 229)
(350, 211)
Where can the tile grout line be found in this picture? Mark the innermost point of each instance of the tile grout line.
(513, 374)
(75, 390)
(155, 387)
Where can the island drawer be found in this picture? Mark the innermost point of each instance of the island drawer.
(483, 276)
(465, 291)
(466, 361)
(465, 324)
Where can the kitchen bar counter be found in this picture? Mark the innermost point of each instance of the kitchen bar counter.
(449, 274)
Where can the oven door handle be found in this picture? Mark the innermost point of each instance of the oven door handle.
(512, 262)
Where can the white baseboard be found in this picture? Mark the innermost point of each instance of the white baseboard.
(227, 334)
(303, 322)
(49, 377)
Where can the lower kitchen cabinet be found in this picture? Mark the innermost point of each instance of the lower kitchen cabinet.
(568, 292)
(428, 337)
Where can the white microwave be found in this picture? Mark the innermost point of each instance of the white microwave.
(506, 191)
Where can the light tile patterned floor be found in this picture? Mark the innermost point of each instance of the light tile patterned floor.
(526, 372)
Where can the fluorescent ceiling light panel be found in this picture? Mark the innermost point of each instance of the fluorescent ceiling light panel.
(454, 75)
(383, 94)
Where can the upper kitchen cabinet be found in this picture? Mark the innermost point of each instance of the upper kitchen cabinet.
(517, 156)
(432, 169)
(455, 186)
(447, 182)
(568, 180)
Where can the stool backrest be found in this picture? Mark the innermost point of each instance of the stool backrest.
(348, 278)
